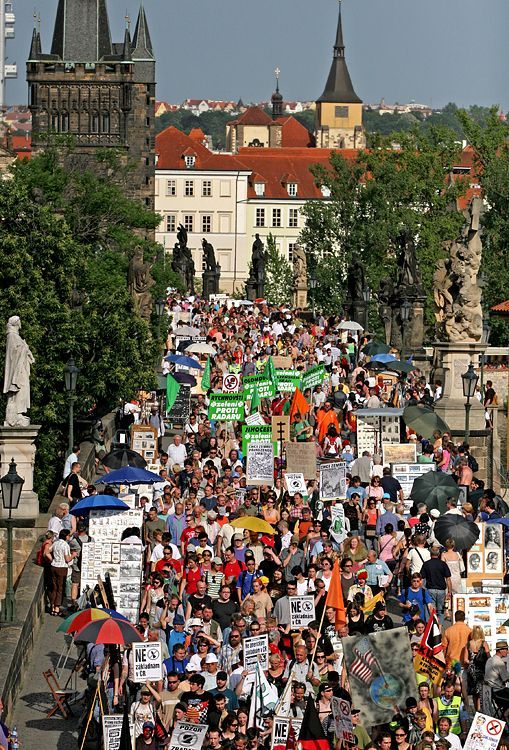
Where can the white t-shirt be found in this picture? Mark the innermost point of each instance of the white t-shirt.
(177, 454)
(59, 550)
(417, 558)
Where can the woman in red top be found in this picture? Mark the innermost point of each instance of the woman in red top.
(192, 574)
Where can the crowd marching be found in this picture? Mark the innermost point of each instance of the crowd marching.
(210, 586)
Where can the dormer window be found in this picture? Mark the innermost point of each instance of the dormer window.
(292, 189)
(259, 188)
(325, 191)
(190, 160)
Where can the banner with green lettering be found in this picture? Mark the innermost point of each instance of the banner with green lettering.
(313, 377)
(288, 380)
(263, 385)
(257, 433)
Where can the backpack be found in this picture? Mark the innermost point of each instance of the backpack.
(472, 462)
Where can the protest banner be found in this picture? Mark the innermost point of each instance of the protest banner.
(427, 665)
(147, 661)
(256, 434)
(187, 736)
(280, 730)
(226, 407)
(260, 463)
(281, 428)
(255, 418)
(313, 377)
(337, 528)
(263, 385)
(287, 380)
(332, 480)
(302, 611)
(342, 714)
(256, 650)
(295, 482)
(484, 733)
(282, 363)
(112, 731)
(231, 382)
(301, 457)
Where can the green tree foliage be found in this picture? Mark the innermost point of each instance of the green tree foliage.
(372, 198)
(67, 237)
(278, 276)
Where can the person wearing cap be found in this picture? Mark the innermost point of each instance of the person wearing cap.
(379, 620)
(210, 671)
(147, 740)
(142, 711)
(362, 737)
(496, 674)
(361, 592)
(291, 557)
(260, 598)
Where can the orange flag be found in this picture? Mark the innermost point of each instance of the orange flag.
(335, 596)
(299, 404)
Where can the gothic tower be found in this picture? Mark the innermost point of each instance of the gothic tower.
(339, 109)
(100, 93)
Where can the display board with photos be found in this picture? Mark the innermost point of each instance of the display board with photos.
(179, 412)
(486, 558)
(144, 441)
(490, 611)
(406, 474)
(374, 429)
(399, 453)
(108, 525)
(123, 563)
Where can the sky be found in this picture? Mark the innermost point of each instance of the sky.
(429, 51)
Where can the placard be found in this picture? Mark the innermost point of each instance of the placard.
(342, 713)
(484, 733)
(255, 434)
(406, 474)
(226, 407)
(287, 380)
(282, 362)
(187, 736)
(123, 564)
(260, 463)
(486, 558)
(255, 418)
(301, 457)
(112, 731)
(399, 453)
(313, 377)
(280, 730)
(332, 480)
(144, 441)
(108, 525)
(302, 611)
(179, 412)
(427, 665)
(147, 661)
(256, 650)
(231, 383)
(338, 527)
(263, 385)
(295, 482)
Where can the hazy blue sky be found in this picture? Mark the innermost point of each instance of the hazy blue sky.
(433, 51)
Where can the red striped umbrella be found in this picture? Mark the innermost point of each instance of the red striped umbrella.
(78, 621)
(119, 632)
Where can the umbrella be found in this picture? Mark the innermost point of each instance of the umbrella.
(424, 420)
(383, 358)
(350, 325)
(434, 488)
(116, 615)
(128, 475)
(78, 620)
(251, 523)
(123, 457)
(99, 502)
(201, 348)
(179, 359)
(187, 331)
(184, 378)
(119, 632)
(376, 347)
(453, 526)
(398, 366)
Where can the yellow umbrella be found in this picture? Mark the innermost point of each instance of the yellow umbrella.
(251, 523)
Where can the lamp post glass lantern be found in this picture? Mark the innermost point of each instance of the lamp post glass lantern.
(71, 372)
(10, 485)
(469, 381)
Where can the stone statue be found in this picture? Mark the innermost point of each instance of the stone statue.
(300, 277)
(140, 281)
(355, 281)
(182, 262)
(182, 235)
(409, 270)
(18, 359)
(258, 260)
(385, 302)
(456, 288)
(209, 256)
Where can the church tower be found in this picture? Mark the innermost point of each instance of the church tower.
(339, 109)
(99, 93)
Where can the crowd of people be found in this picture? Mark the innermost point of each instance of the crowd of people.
(208, 585)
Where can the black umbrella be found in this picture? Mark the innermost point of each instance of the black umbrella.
(376, 347)
(124, 457)
(434, 488)
(453, 526)
(184, 378)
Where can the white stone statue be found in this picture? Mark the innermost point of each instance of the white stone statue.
(18, 359)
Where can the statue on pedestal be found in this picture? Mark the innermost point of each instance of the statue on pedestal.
(212, 270)
(182, 262)
(140, 281)
(18, 359)
(300, 277)
(257, 269)
(209, 256)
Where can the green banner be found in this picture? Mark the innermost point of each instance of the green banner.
(288, 380)
(264, 386)
(257, 433)
(227, 407)
(313, 377)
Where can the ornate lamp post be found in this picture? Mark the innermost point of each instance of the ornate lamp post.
(71, 373)
(469, 380)
(405, 310)
(11, 485)
(313, 283)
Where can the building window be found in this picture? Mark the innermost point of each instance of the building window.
(189, 223)
(64, 122)
(171, 223)
(54, 122)
(171, 187)
(292, 189)
(206, 224)
(105, 125)
(190, 161)
(276, 217)
(291, 250)
(189, 188)
(94, 122)
(260, 217)
(259, 188)
(293, 217)
(341, 112)
(206, 188)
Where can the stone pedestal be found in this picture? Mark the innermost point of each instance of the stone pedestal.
(452, 361)
(251, 290)
(18, 443)
(211, 282)
(300, 297)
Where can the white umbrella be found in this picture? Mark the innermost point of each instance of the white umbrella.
(201, 348)
(350, 325)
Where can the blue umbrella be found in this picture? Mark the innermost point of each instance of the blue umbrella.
(113, 613)
(179, 359)
(504, 521)
(129, 475)
(383, 358)
(98, 502)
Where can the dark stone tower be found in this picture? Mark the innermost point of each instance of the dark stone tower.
(99, 92)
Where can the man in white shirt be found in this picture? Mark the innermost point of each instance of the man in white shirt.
(177, 452)
(72, 458)
(318, 397)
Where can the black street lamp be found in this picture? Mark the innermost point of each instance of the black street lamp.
(312, 283)
(405, 310)
(71, 373)
(11, 485)
(469, 380)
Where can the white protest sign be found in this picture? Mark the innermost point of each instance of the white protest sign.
(148, 661)
(112, 731)
(484, 733)
(188, 736)
(342, 713)
(260, 463)
(302, 611)
(280, 730)
(337, 528)
(332, 480)
(256, 650)
(295, 482)
(231, 383)
(255, 419)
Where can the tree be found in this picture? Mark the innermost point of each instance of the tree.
(278, 276)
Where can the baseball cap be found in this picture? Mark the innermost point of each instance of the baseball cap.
(295, 539)
(355, 711)
(145, 690)
(191, 667)
(411, 702)
(178, 620)
(211, 659)
(217, 560)
(386, 496)
(434, 513)
(194, 622)
(379, 606)
(148, 724)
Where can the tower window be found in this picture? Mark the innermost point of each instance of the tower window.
(341, 112)
(105, 125)
(94, 122)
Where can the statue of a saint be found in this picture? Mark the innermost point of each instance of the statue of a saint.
(409, 274)
(356, 281)
(140, 281)
(182, 236)
(299, 268)
(18, 359)
(258, 260)
(209, 256)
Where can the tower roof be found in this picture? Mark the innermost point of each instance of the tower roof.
(339, 86)
(142, 44)
(82, 31)
(35, 47)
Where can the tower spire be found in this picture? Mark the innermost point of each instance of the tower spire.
(82, 31)
(277, 99)
(339, 86)
(142, 43)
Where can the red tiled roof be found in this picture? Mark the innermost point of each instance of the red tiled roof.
(502, 308)
(171, 145)
(253, 116)
(197, 134)
(294, 134)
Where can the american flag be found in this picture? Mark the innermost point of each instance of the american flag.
(359, 669)
(366, 656)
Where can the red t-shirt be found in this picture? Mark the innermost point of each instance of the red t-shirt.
(175, 564)
(234, 569)
(192, 577)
